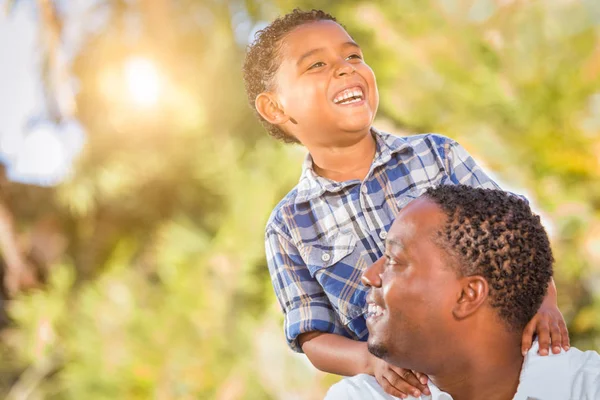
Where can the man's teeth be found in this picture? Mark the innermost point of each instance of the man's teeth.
(374, 310)
(349, 96)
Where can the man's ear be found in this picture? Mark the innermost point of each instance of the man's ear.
(473, 293)
(267, 106)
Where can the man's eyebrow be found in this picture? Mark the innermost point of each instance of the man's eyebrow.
(313, 51)
(394, 243)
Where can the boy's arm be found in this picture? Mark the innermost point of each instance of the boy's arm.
(336, 354)
(342, 356)
(302, 299)
(549, 325)
(312, 326)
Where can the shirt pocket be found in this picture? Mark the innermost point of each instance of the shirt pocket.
(335, 263)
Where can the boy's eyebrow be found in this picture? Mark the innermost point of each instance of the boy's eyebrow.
(313, 51)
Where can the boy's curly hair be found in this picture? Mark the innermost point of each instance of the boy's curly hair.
(262, 59)
(494, 234)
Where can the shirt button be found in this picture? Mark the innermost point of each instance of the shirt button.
(364, 189)
(325, 257)
(382, 235)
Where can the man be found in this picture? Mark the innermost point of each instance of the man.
(464, 270)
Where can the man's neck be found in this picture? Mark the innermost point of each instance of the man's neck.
(487, 375)
(343, 163)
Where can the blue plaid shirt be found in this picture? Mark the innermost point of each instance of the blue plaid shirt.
(323, 234)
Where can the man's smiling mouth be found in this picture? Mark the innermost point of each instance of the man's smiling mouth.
(349, 96)
(374, 310)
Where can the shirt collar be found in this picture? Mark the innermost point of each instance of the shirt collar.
(436, 393)
(311, 185)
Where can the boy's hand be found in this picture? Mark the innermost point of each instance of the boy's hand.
(399, 382)
(550, 327)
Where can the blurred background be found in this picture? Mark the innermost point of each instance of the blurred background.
(135, 182)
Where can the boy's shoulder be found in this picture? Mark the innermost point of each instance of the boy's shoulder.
(308, 188)
(276, 219)
(394, 141)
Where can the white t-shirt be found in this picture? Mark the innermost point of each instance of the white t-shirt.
(565, 376)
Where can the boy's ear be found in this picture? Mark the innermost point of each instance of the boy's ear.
(473, 293)
(267, 106)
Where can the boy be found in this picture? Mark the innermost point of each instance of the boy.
(308, 82)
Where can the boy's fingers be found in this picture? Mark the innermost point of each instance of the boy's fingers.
(423, 382)
(564, 334)
(406, 381)
(556, 338)
(527, 337)
(543, 332)
(391, 389)
(421, 377)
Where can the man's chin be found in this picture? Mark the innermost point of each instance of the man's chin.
(377, 349)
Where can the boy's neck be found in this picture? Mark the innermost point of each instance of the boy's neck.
(344, 163)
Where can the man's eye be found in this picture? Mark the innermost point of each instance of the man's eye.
(316, 65)
(389, 260)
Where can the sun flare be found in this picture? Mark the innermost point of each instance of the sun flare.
(143, 81)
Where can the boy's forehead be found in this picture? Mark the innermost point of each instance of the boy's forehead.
(313, 35)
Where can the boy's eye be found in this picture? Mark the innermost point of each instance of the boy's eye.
(355, 56)
(316, 65)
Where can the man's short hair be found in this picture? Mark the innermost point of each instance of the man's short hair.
(494, 234)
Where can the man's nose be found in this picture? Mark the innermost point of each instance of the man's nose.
(372, 275)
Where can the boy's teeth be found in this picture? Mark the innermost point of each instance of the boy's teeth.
(344, 97)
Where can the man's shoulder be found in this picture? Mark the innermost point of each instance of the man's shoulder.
(569, 374)
(358, 387)
(363, 386)
(585, 368)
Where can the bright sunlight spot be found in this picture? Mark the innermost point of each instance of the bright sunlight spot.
(143, 81)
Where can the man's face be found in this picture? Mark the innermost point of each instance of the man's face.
(412, 291)
(324, 84)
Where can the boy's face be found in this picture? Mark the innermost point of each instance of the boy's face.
(325, 86)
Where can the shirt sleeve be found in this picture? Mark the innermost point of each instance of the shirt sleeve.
(462, 169)
(302, 299)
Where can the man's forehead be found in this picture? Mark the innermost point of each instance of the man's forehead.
(416, 221)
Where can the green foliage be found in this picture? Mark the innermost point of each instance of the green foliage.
(163, 291)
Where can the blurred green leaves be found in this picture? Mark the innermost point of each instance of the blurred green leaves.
(163, 291)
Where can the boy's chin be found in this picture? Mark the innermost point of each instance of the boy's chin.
(358, 128)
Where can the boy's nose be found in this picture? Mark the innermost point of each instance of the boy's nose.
(344, 68)
(372, 275)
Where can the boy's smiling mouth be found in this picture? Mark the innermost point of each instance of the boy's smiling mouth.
(349, 95)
